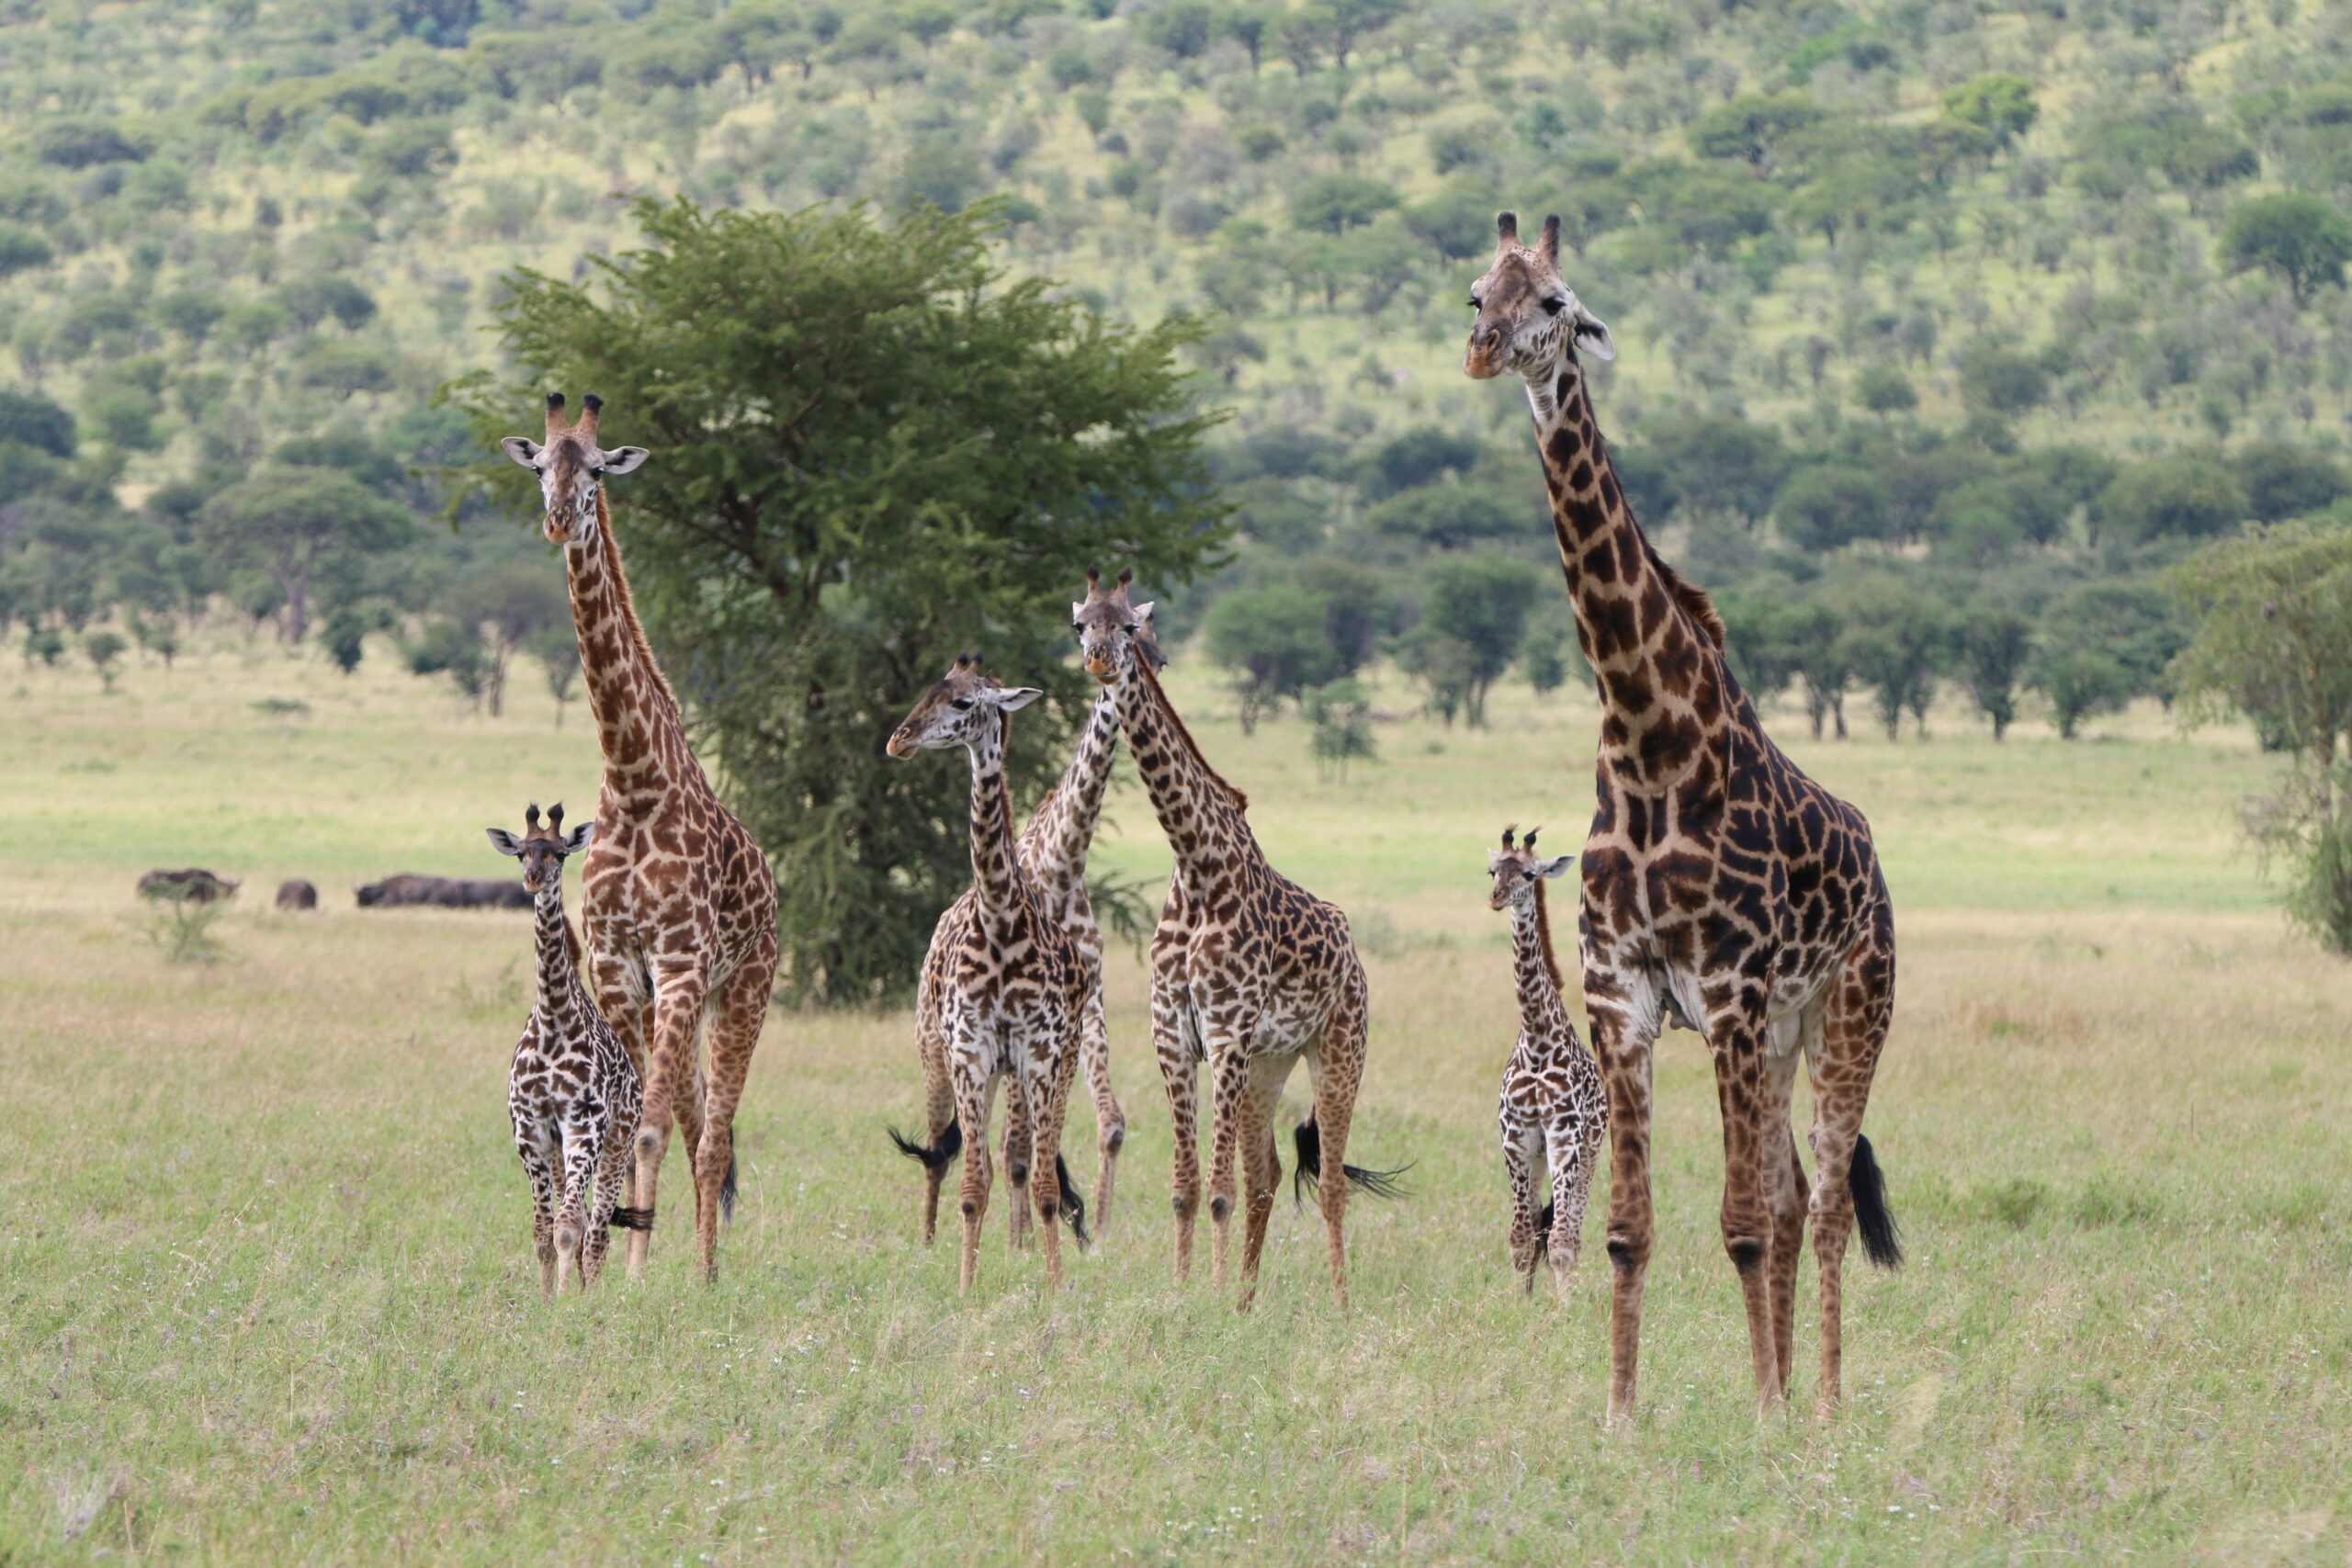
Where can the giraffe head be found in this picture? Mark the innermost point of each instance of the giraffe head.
(571, 467)
(962, 708)
(1529, 319)
(542, 849)
(1113, 632)
(1519, 872)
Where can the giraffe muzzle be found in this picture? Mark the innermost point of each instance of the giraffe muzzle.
(901, 745)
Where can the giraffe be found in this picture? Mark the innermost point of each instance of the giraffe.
(1718, 880)
(1011, 983)
(678, 903)
(571, 1092)
(1553, 1107)
(1053, 854)
(1250, 971)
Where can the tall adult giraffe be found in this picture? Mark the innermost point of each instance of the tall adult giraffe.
(1249, 971)
(1720, 882)
(677, 903)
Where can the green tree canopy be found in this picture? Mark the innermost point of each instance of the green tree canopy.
(2291, 233)
(290, 521)
(1997, 101)
(1473, 623)
(871, 452)
(1274, 640)
(2192, 493)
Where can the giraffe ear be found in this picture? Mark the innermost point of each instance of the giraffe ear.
(1077, 609)
(1142, 613)
(1013, 699)
(578, 838)
(505, 843)
(523, 449)
(623, 459)
(1592, 334)
(1555, 868)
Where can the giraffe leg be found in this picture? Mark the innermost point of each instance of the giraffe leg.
(1785, 1195)
(1041, 1086)
(736, 1021)
(939, 1107)
(1335, 1068)
(1571, 1158)
(541, 1171)
(583, 1147)
(1019, 1139)
(1170, 1011)
(670, 1074)
(1623, 1051)
(1738, 1047)
(628, 1010)
(612, 1188)
(1854, 1025)
(1110, 1122)
(1229, 1039)
(1261, 1095)
(1522, 1142)
(975, 1087)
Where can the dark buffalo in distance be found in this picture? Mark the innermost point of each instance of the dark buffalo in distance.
(193, 885)
(297, 894)
(445, 892)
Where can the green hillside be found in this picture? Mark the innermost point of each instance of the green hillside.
(1920, 305)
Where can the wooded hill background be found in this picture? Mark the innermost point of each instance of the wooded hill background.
(1944, 327)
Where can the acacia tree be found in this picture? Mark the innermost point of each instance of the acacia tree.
(291, 521)
(871, 452)
(2274, 640)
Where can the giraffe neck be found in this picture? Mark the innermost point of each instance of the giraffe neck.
(1060, 831)
(637, 714)
(1652, 640)
(1533, 968)
(996, 865)
(559, 954)
(1200, 814)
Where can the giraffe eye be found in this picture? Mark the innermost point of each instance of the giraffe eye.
(1473, 302)
(1134, 627)
(960, 704)
(1529, 873)
(1554, 307)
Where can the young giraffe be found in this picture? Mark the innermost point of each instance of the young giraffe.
(1053, 852)
(1553, 1107)
(1718, 878)
(678, 902)
(572, 1093)
(1012, 985)
(1250, 971)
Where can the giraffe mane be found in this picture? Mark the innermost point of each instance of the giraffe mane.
(1184, 736)
(1688, 595)
(631, 629)
(1543, 937)
(571, 942)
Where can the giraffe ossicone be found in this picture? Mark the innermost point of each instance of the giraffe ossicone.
(1719, 881)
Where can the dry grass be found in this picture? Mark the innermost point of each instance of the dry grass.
(265, 1290)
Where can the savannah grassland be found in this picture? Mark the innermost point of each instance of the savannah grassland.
(267, 1291)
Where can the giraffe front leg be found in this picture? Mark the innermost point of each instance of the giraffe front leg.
(612, 1190)
(1038, 1086)
(1737, 1042)
(1623, 1050)
(975, 1078)
(540, 1171)
(1110, 1122)
(1784, 1197)
(1228, 1037)
(1018, 1140)
(1262, 1167)
(1575, 1148)
(671, 1075)
(1174, 1050)
(1521, 1141)
(629, 1011)
(583, 1147)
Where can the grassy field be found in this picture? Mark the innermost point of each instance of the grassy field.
(267, 1293)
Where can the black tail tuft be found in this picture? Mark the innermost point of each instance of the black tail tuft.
(1308, 1139)
(1072, 1204)
(937, 1156)
(726, 1187)
(632, 1218)
(1543, 1225)
(1882, 1239)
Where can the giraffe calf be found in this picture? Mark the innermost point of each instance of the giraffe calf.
(572, 1091)
(1554, 1107)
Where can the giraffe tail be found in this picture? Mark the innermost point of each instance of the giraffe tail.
(1308, 1139)
(1882, 1240)
(726, 1187)
(934, 1156)
(1072, 1203)
(632, 1218)
(1543, 1223)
